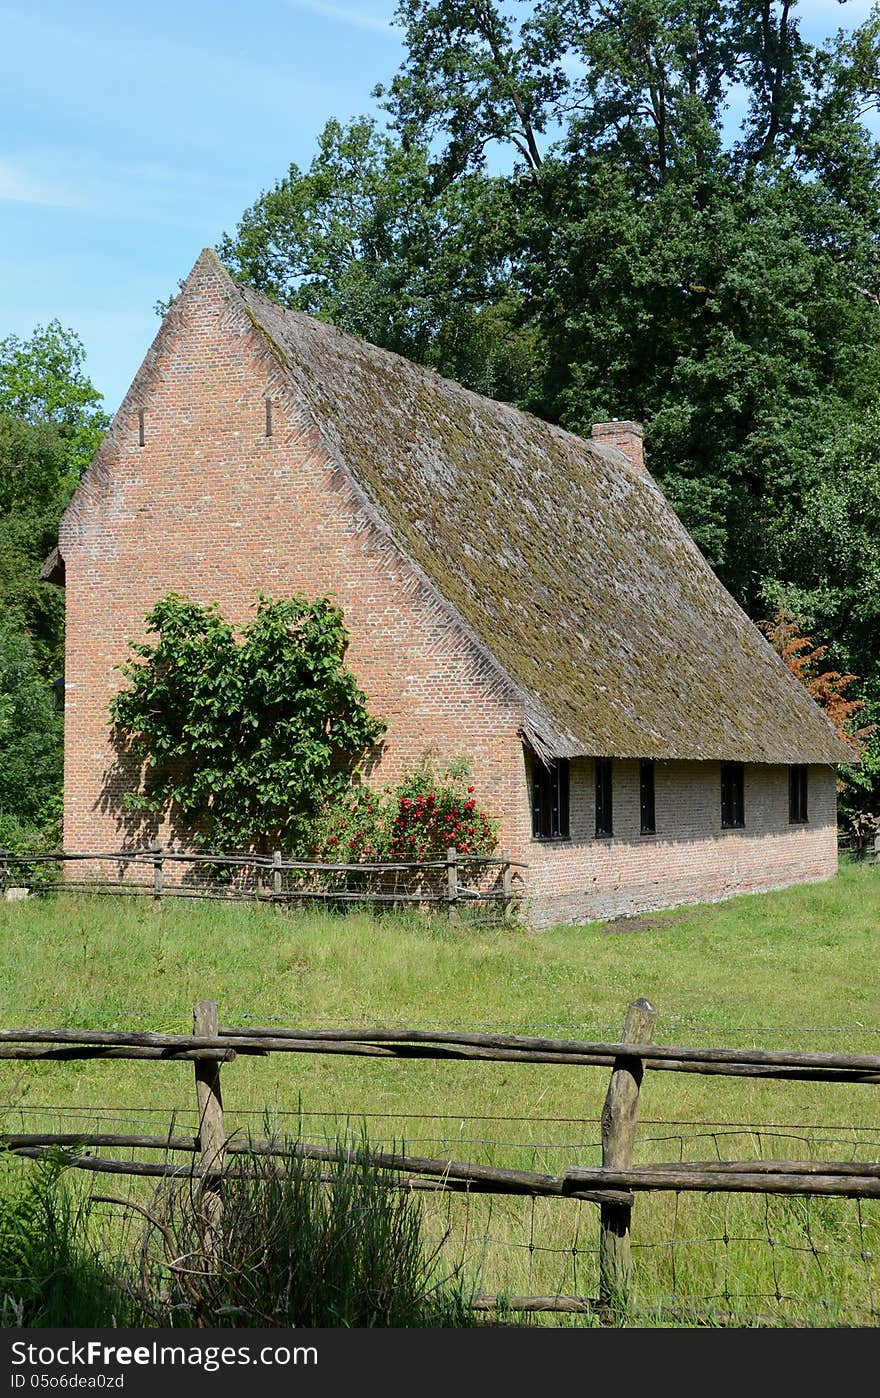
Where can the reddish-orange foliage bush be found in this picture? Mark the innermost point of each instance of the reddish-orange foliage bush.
(826, 686)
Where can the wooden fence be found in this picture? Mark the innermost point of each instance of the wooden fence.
(611, 1187)
(861, 844)
(454, 882)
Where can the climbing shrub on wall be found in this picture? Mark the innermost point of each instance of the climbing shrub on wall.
(242, 739)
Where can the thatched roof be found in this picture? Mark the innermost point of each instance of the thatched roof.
(567, 566)
(53, 569)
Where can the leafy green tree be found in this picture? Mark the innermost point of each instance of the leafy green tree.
(43, 380)
(33, 491)
(476, 79)
(30, 743)
(369, 239)
(828, 574)
(51, 423)
(240, 741)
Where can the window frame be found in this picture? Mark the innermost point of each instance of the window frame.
(551, 799)
(604, 784)
(798, 794)
(733, 798)
(647, 797)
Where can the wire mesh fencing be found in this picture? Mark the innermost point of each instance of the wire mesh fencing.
(714, 1259)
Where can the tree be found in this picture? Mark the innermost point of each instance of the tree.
(30, 741)
(51, 423)
(43, 380)
(825, 686)
(33, 491)
(477, 80)
(241, 741)
(858, 784)
(367, 239)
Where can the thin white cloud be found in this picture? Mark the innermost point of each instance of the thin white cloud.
(344, 14)
(19, 186)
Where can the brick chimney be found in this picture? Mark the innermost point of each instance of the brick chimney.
(626, 436)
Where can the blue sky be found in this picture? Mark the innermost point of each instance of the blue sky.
(131, 136)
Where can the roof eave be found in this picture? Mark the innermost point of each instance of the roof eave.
(53, 570)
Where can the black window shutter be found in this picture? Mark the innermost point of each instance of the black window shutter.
(732, 794)
(550, 799)
(604, 815)
(646, 797)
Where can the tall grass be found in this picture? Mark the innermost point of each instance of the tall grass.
(266, 1245)
(789, 969)
(51, 1273)
(294, 1244)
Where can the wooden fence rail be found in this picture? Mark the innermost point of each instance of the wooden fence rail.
(612, 1186)
(864, 844)
(453, 881)
(413, 1043)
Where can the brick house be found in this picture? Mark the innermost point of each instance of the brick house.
(514, 593)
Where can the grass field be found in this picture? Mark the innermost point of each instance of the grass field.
(792, 969)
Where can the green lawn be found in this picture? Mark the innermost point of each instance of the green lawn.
(789, 969)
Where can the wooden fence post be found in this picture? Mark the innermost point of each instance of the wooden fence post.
(212, 1136)
(276, 876)
(619, 1121)
(507, 882)
(4, 869)
(158, 876)
(452, 883)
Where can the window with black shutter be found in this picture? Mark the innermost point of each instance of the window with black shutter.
(646, 797)
(733, 811)
(550, 819)
(797, 794)
(604, 819)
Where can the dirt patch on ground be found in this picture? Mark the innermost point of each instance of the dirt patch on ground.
(623, 926)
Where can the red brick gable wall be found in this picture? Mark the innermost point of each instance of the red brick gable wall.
(212, 507)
